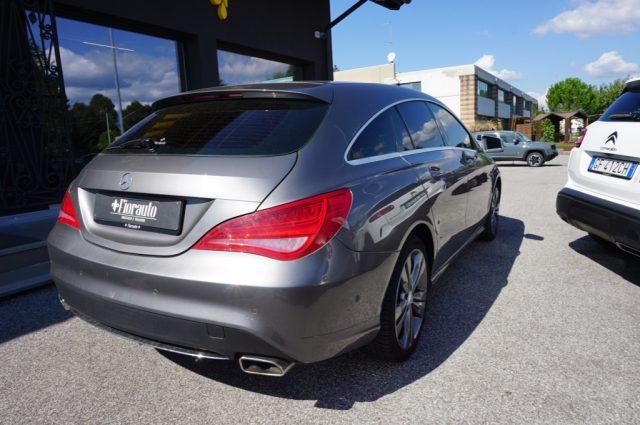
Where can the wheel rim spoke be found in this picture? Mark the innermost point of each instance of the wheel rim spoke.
(411, 299)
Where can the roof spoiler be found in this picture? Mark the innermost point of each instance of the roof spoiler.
(632, 85)
(323, 96)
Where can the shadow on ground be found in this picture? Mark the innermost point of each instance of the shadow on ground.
(610, 257)
(458, 304)
(29, 312)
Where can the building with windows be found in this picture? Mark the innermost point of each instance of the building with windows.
(473, 93)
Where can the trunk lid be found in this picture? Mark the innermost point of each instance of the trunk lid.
(211, 189)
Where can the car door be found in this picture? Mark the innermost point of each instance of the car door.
(451, 185)
(385, 188)
(440, 171)
(511, 146)
(476, 169)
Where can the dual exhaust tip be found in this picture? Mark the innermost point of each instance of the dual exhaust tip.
(265, 366)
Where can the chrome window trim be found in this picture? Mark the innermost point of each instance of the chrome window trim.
(386, 156)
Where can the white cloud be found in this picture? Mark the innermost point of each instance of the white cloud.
(488, 62)
(142, 77)
(541, 98)
(597, 17)
(611, 64)
(240, 69)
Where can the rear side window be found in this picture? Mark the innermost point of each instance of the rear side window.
(625, 108)
(382, 136)
(422, 125)
(456, 135)
(225, 127)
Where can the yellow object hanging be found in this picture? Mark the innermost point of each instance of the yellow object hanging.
(222, 6)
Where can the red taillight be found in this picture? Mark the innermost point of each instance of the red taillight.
(68, 214)
(580, 139)
(285, 232)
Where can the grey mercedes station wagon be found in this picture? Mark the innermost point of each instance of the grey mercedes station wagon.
(274, 223)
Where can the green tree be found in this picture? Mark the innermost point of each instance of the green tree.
(88, 122)
(607, 93)
(570, 94)
(547, 131)
(133, 113)
(289, 72)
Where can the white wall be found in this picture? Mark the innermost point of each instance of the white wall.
(371, 74)
(441, 83)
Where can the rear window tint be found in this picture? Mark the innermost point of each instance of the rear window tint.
(382, 136)
(225, 127)
(627, 103)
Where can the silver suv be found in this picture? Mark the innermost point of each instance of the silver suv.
(515, 146)
(273, 224)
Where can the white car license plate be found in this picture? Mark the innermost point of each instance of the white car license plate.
(613, 167)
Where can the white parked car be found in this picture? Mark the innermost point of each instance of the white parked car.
(602, 194)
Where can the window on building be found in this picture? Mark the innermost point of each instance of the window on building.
(234, 68)
(147, 71)
(515, 101)
(417, 85)
(527, 105)
(382, 136)
(455, 133)
(483, 89)
(501, 95)
(422, 125)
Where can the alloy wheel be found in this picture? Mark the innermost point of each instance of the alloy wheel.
(411, 299)
(495, 208)
(534, 159)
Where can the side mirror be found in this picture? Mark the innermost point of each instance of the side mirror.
(516, 141)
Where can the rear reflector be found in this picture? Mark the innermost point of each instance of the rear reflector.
(580, 139)
(286, 232)
(68, 214)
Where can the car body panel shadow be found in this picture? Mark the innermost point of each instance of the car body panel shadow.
(458, 303)
(29, 312)
(623, 264)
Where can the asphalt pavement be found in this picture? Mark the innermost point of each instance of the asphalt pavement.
(540, 326)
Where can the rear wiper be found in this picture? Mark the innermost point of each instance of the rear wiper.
(633, 116)
(141, 143)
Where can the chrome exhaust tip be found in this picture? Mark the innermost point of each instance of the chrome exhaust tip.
(64, 303)
(265, 366)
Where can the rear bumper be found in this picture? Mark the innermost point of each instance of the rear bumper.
(614, 222)
(226, 304)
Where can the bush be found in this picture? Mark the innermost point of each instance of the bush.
(486, 126)
(547, 131)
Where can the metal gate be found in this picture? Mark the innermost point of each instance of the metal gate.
(36, 159)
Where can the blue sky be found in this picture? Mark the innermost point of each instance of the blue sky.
(532, 44)
(541, 41)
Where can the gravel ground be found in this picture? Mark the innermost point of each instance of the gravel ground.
(541, 325)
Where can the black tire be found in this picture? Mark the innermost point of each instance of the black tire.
(491, 221)
(535, 159)
(389, 344)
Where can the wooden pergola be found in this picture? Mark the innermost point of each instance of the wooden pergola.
(556, 118)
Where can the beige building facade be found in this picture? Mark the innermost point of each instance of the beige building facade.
(471, 92)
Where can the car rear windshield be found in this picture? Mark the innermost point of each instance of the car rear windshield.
(225, 127)
(625, 108)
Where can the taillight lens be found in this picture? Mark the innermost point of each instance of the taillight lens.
(580, 139)
(286, 232)
(68, 214)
